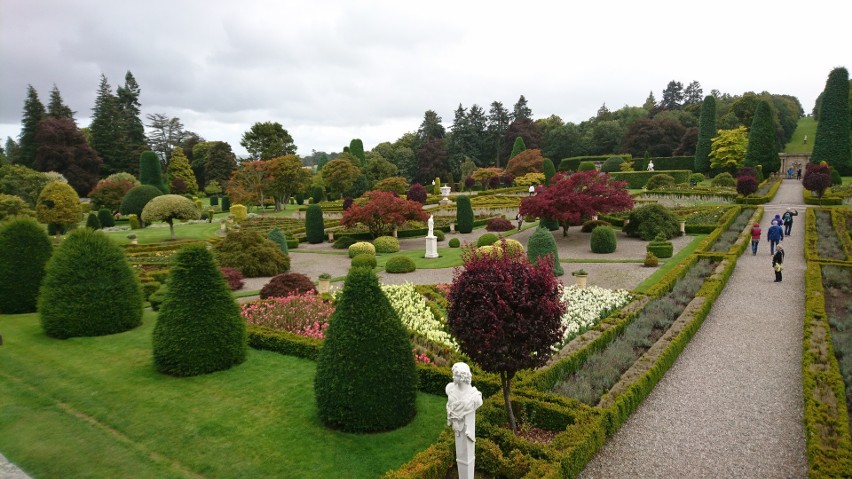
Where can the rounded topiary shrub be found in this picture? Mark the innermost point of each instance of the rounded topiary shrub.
(454, 243)
(89, 288)
(314, 225)
(511, 245)
(400, 264)
(487, 239)
(542, 244)
(648, 221)
(696, 178)
(603, 240)
(93, 222)
(612, 164)
(724, 179)
(233, 277)
(364, 261)
(135, 200)
(151, 172)
(440, 235)
(226, 203)
(252, 254)
(549, 224)
(464, 214)
(660, 181)
(661, 248)
(651, 260)
(586, 166)
(240, 212)
(287, 284)
(199, 329)
(365, 377)
(277, 236)
(386, 244)
(344, 242)
(24, 251)
(590, 225)
(499, 224)
(106, 218)
(361, 247)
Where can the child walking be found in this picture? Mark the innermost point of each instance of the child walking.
(777, 260)
(755, 238)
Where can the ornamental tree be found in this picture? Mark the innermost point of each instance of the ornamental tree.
(728, 149)
(569, 200)
(24, 251)
(247, 184)
(746, 185)
(58, 204)
(505, 313)
(339, 175)
(135, 200)
(417, 193)
(179, 168)
(108, 193)
(483, 175)
(63, 148)
(287, 176)
(169, 208)
(527, 161)
(817, 178)
(394, 184)
(382, 212)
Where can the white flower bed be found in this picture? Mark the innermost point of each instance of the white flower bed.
(587, 306)
(416, 315)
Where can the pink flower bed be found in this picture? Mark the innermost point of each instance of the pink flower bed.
(303, 314)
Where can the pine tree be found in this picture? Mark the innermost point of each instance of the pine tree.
(518, 147)
(179, 168)
(706, 132)
(105, 128)
(832, 143)
(221, 162)
(761, 140)
(521, 110)
(56, 108)
(133, 142)
(34, 112)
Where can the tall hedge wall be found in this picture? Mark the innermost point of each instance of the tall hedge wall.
(638, 179)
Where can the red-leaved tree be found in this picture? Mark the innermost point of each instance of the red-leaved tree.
(382, 212)
(746, 185)
(505, 313)
(572, 199)
(817, 178)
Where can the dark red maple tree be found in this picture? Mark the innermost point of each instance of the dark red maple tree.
(382, 212)
(572, 199)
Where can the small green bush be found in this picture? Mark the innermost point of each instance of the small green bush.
(724, 180)
(549, 224)
(365, 361)
(651, 261)
(314, 225)
(134, 222)
(364, 261)
(199, 329)
(603, 240)
(11, 205)
(277, 237)
(648, 221)
(586, 166)
(400, 264)
(226, 203)
(24, 252)
(156, 298)
(612, 164)
(251, 254)
(106, 218)
(214, 200)
(661, 248)
(287, 284)
(344, 242)
(362, 247)
(149, 288)
(660, 181)
(454, 243)
(464, 214)
(590, 225)
(541, 244)
(696, 178)
(93, 222)
(386, 244)
(487, 239)
(135, 200)
(440, 235)
(89, 288)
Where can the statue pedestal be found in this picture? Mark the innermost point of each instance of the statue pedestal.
(431, 247)
(445, 201)
(465, 450)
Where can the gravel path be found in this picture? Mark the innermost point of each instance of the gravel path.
(731, 406)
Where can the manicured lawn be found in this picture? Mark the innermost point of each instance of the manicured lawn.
(200, 231)
(669, 264)
(448, 258)
(95, 407)
(806, 126)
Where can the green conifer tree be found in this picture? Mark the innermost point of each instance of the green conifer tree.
(179, 168)
(832, 142)
(105, 128)
(356, 147)
(34, 112)
(314, 225)
(464, 214)
(57, 108)
(706, 132)
(549, 171)
(518, 147)
(150, 171)
(762, 150)
(24, 251)
(541, 244)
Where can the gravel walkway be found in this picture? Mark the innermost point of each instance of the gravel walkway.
(731, 406)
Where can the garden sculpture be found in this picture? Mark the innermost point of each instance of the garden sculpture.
(462, 402)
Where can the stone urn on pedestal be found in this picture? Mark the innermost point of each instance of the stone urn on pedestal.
(582, 277)
(445, 192)
(324, 284)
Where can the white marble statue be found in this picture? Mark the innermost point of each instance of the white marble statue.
(651, 165)
(431, 224)
(462, 402)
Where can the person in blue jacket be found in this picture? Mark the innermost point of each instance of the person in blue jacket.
(775, 235)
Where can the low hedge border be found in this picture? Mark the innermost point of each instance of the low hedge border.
(810, 199)
(827, 441)
(758, 200)
(638, 179)
(838, 222)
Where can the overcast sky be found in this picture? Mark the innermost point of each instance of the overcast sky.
(330, 71)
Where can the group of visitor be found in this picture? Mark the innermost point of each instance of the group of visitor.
(781, 226)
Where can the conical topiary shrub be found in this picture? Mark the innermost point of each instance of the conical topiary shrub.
(24, 251)
(314, 225)
(199, 329)
(151, 172)
(93, 222)
(541, 244)
(277, 237)
(366, 378)
(106, 218)
(464, 214)
(89, 288)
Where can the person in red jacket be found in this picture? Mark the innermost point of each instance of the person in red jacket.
(755, 238)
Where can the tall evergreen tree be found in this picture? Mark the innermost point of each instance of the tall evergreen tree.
(761, 141)
(12, 151)
(34, 112)
(356, 147)
(518, 147)
(150, 172)
(106, 128)
(706, 132)
(672, 96)
(521, 110)
(431, 127)
(166, 134)
(650, 102)
(832, 143)
(498, 122)
(56, 108)
(179, 169)
(524, 128)
(133, 141)
(221, 162)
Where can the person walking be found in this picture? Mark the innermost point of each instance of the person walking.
(775, 234)
(777, 261)
(779, 222)
(520, 220)
(799, 174)
(788, 220)
(755, 238)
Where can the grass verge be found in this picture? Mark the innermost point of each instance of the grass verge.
(670, 264)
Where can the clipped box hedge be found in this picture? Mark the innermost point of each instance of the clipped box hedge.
(638, 179)
(571, 164)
